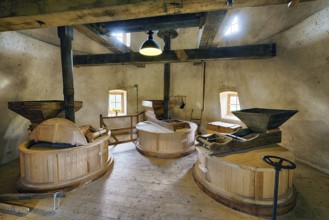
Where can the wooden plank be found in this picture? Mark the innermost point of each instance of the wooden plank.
(14, 208)
(20, 14)
(235, 52)
(208, 32)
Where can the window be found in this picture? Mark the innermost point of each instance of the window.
(233, 28)
(232, 103)
(229, 101)
(122, 37)
(117, 102)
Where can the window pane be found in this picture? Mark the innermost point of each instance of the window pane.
(112, 105)
(233, 100)
(112, 98)
(118, 98)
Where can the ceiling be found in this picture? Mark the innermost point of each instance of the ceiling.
(196, 27)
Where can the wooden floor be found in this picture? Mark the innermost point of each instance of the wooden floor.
(142, 187)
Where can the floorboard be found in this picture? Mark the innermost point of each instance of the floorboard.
(142, 187)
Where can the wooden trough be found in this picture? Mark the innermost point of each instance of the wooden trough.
(58, 156)
(244, 182)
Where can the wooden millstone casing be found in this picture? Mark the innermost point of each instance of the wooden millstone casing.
(45, 168)
(244, 181)
(155, 140)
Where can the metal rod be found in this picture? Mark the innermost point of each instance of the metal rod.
(276, 189)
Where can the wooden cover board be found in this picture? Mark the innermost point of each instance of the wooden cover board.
(58, 130)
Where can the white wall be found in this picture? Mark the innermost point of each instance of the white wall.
(29, 70)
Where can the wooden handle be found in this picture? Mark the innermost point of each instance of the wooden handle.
(14, 208)
(93, 135)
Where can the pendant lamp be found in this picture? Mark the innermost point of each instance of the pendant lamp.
(150, 47)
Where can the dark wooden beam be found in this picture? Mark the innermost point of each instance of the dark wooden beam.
(154, 23)
(190, 55)
(66, 36)
(20, 15)
(109, 42)
(210, 28)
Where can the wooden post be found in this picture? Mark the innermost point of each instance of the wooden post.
(131, 128)
(166, 35)
(65, 33)
(166, 81)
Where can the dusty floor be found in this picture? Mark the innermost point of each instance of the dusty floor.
(142, 187)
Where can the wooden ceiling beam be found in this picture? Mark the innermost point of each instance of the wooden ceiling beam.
(20, 14)
(154, 23)
(109, 42)
(210, 28)
(188, 55)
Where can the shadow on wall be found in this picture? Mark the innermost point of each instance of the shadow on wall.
(309, 147)
(15, 134)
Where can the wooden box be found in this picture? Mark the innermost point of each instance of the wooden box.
(222, 127)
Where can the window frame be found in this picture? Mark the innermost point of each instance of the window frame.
(123, 100)
(225, 107)
(229, 104)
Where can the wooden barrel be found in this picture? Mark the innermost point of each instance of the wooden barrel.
(155, 140)
(244, 181)
(47, 169)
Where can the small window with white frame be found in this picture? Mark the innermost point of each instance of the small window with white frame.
(229, 101)
(117, 102)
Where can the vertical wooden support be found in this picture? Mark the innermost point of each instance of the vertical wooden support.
(131, 127)
(166, 35)
(166, 80)
(65, 33)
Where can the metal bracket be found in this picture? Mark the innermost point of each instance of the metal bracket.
(56, 201)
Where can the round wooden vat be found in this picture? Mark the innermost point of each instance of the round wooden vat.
(47, 169)
(157, 141)
(244, 181)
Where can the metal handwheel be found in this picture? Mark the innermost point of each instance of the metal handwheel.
(278, 163)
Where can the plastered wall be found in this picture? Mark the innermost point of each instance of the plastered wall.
(296, 79)
(29, 70)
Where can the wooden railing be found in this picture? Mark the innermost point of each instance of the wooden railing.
(123, 128)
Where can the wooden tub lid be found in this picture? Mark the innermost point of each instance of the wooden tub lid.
(58, 130)
(252, 158)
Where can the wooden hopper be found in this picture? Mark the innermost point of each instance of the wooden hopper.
(39, 111)
(261, 119)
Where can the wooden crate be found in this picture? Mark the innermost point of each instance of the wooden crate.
(222, 127)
